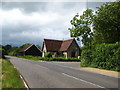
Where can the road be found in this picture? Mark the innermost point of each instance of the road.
(39, 74)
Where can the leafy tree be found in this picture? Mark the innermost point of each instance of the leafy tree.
(14, 51)
(25, 45)
(38, 46)
(7, 48)
(107, 23)
(81, 26)
(2, 52)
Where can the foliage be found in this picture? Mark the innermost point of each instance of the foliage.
(107, 23)
(106, 29)
(48, 54)
(2, 52)
(7, 49)
(105, 56)
(10, 76)
(39, 46)
(86, 57)
(25, 45)
(50, 59)
(59, 54)
(31, 57)
(14, 51)
(81, 26)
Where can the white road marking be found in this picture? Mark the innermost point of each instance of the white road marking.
(24, 82)
(83, 80)
(85, 70)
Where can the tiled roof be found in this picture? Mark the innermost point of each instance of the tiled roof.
(57, 45)
(52, 45)
(65, 44)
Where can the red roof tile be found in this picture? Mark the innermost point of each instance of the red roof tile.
(65, 45)
(52, 45)
(57, 45)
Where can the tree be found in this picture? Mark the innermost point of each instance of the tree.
(39, 46)
(2, 52)
(14, 51)
(7, 48)
(24, 45)
(107, 23)
(81, 26)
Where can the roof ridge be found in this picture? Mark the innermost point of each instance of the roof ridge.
(53, 40)
(69, 39)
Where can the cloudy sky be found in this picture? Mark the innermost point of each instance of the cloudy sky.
(31, 22)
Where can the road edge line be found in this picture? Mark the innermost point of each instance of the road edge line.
(25, 83)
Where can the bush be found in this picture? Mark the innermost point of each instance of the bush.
(105, 56)
(48, 54)
(2, 53)
(50, 59)
(58, 59)
(86, 56)
(14, 51)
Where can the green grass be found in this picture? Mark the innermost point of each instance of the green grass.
(10, 76)
(31, 58)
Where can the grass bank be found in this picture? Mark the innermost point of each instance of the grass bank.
(50, 59)
(10, 76)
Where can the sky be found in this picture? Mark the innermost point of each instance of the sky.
(32, 22)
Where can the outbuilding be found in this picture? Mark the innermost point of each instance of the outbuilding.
(30, 49)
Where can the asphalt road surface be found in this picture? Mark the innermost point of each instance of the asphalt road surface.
(39, 74)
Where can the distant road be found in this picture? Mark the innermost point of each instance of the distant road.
(40, 74)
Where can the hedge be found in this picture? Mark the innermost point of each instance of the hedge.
(58, 59)
(105, 56)
(50, 59)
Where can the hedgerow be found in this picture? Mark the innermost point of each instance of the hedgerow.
(50, 58)
(105, 56)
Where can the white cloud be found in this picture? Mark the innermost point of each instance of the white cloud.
(42, 33)
(20, 26)
(58, 0)
(16, 17)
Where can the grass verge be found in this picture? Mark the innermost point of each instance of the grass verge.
(10, 76)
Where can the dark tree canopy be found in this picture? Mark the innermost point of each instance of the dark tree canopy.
(107, 23)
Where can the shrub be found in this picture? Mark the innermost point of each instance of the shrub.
(49, 59)
(2, 53)
(86, 57)
(105, 56)
(58, 59)
(48, 54)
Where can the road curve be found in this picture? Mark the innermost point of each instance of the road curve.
(40, 74)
